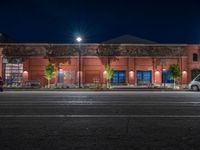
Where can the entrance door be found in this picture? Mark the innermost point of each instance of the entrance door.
(166, 77)
(144, 77)
(119, 77)
(61, 76)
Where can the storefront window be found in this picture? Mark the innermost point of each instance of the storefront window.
(13, 71)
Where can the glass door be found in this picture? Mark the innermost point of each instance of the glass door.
(144, 77)
(119, 77)
(61, 76)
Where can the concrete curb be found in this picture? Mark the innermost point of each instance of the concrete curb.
(101, 90)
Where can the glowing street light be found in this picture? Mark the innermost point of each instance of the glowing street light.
(79, 39)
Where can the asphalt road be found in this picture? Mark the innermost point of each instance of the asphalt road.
(100, 120)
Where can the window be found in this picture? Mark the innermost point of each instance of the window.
(13, 73)
(195, 57)
(13, 70)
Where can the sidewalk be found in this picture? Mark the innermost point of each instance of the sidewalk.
(92, 89)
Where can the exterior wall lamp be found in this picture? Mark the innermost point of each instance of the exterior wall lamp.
(131, 75)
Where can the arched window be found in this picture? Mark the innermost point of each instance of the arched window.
(195, 57)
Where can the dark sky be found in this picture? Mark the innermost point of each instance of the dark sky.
(61, 20)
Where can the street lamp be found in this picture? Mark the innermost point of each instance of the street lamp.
(164, 74)
(79, 39)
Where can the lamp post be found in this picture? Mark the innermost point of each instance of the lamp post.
(164, 76)
(79, 39)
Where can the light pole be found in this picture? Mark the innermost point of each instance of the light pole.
(164, 76)
(79, 39)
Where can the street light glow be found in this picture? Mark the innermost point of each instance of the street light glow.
(79, 39)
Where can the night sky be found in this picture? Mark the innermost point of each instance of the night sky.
(61, 20)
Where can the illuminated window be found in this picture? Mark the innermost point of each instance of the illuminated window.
(13, 71)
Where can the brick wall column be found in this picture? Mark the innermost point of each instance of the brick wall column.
(181, 71)
(153, 70)
(128, 70)
(82, 70)
(102, 71)
(1, 66)
(104, 62)
(131, 70)
(26, 66)
(135, 71)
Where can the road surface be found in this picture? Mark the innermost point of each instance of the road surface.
(99, 120)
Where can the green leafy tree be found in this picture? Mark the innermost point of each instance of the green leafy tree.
(175, 72)
(49, 73)
(109, 74)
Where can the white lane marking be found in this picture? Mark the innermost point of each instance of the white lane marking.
(89, 103)
(99, 116)
(43, 105)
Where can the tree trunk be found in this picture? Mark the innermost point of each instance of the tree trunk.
(174, 83)
(107, 84)
(48, 83)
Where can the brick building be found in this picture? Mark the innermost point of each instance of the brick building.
(135, 62)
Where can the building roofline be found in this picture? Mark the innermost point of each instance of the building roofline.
(93, 44)
(128, 39)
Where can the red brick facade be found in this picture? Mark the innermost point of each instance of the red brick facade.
(92, 66)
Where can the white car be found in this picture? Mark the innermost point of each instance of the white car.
(194, 85)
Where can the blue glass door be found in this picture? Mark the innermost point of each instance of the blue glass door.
(166, 77)
(144, 77)
(119, 77)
